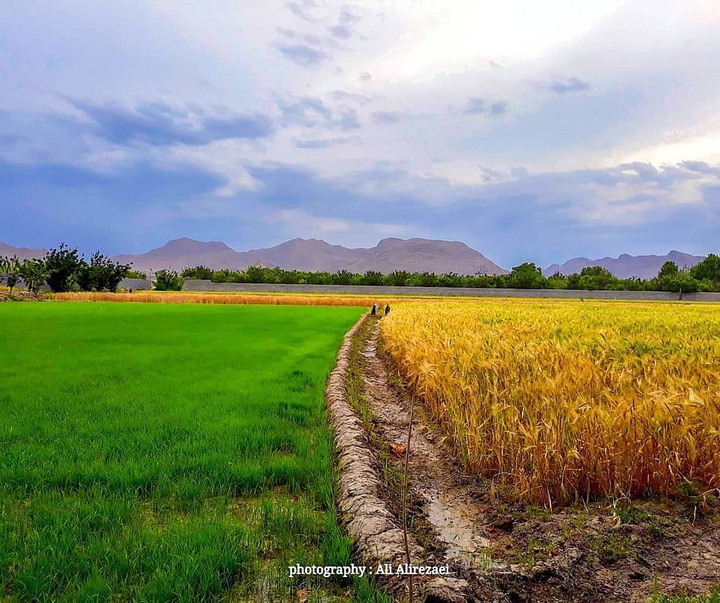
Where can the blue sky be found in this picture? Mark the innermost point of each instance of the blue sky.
(530, 131)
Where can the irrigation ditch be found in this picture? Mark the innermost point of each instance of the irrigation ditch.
(495, 548)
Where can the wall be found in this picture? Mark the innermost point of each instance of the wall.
(136, 284)
(204, 285)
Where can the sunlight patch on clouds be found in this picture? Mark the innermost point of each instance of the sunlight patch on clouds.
(705, 148)
(462, 35)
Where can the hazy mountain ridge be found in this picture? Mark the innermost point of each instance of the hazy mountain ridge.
(627, 266)
(413, 255)
(22, 253)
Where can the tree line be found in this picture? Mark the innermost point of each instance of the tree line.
(65, 269)
(705, 276)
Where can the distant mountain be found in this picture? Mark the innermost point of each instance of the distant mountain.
(181, 253)
(23, 253)
(627, 266)
(424, 255)
(413, 255)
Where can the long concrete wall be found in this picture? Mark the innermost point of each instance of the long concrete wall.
(136, 284)
(205, 285)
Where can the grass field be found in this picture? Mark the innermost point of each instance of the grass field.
(571, 400)
(165, 452)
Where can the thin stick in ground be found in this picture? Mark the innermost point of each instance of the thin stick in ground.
(404, 496)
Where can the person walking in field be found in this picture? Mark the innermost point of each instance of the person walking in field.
(373, 312)
(387, 309)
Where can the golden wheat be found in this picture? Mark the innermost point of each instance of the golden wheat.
(568, 400)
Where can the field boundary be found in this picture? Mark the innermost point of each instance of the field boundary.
(361, 290)
(365, 515)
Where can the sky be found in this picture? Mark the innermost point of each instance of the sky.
(532, 131)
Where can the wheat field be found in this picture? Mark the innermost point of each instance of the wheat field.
(562, 401)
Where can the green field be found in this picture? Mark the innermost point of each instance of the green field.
(166, 452)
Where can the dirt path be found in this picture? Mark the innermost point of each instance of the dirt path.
(506, 552)
(456, 518)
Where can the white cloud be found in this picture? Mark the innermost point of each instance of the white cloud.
(300, 223)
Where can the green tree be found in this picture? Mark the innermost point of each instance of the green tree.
(526, 276)
(62, 265)
(596, 278)
(200, 272)
(10, 267)
(100, 274)
(557, 281)
(34, 273)
(667, 270)
(255, 274)
(708, 269)
(168, 280)
(398, 278)
(136, 274)
(372, 277)
(342, 277)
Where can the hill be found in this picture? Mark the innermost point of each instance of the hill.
(626, 266)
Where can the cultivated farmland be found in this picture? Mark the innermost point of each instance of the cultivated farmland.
(563, 401)
(165, 451)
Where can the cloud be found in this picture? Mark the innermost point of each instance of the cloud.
(302, 9)
(481, 106)
(160, 124)
(572, 84)
(355, 97)
(303, 54)
(323, 143)
(348, 15)
(343, 32)
(300, 223)
(387, 117)
(313, 113)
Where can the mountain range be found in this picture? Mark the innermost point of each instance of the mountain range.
(627, 266)
(22, 253)
(412, 255)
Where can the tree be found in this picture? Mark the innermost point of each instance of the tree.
(342, 277)
(526, 276)
(255, 274)
(11, 268)
(668, 270)
(372, 277)
(100, 274)
(596, 277)
(62, 265)
(34, 273)
(398, 278)
(200, 272)
(136, 274)
(168, 280)
(708, 269)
